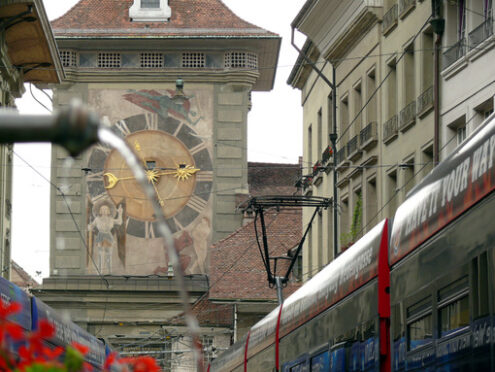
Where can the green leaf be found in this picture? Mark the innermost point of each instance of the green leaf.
(73, 360)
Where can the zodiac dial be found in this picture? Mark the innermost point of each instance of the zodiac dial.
(177, 164)
(169, 167)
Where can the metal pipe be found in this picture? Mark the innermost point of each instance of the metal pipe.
(310, 62)
(294, 258)
(333, 136)
(438, 25)
(74, 127)
(280, 296)
(333, 139)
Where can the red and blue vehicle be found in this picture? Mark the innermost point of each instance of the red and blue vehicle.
(416, 293)
(337, 321)
(33, 310)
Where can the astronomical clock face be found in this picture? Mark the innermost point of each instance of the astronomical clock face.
(178, 166)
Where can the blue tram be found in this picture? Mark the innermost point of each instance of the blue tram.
(337, 321)
(416, 297)
(33, 310)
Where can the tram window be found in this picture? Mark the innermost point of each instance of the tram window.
(419, 307)
(419, 328)
(419, 332)
(453, 289)
(397, 324)
(453, 305)
(453, 316)
(320, 362)
(480, 286)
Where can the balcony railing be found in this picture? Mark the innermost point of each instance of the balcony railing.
(368, 135)
(481, 33)
(425, 101)
(341, 155)
(405, 6)
(326, 155)
(316, 169)
(390, 129)
(353, 147)
(407, 116)
(390, 18)
(455, 52)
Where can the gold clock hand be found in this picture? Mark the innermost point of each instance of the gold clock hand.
(112, 180)
(183, 173)
(160, 200)
(137, 146)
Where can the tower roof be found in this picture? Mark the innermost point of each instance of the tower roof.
(190, 18)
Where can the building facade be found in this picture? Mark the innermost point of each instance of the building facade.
(467, 72)
(382, 53)
(27, 54)
(174, 80)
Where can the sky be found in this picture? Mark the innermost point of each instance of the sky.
(274, 132)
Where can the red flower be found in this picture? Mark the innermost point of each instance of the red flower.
(45, 330)
(53, 354)
(110, 361)
(15, 331)
(141, 364)
(83, 349)
(6, 310)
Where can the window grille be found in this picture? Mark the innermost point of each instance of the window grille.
(193, 60)
(68, 58)
(109, 60)
(150, 4)
(241, 60)
(152, 60)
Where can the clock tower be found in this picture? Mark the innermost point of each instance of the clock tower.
(123, 59)
(174, 79)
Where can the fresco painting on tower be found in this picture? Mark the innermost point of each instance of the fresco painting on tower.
(171, 133)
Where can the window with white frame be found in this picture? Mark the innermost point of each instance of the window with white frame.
(150, 11)
(150, 4)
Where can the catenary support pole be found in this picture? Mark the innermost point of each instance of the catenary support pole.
(333, 136)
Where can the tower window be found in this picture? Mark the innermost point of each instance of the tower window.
(109, 60)
(193, 60)
(152, 60)
(153, 4)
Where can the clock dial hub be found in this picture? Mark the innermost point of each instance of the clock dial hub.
(169, 166)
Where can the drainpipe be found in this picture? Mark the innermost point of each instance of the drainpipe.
(333, 136)
(438, 25)
(333, 139)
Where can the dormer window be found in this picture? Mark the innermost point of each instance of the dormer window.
(150, 4)
(150, 11)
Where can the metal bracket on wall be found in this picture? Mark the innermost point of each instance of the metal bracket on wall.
(33, 66)
(8, 22)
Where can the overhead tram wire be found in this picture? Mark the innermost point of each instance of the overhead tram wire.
(343, 59)
(349, 126)
(64, 198)
(412, 178)
(36, 99)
